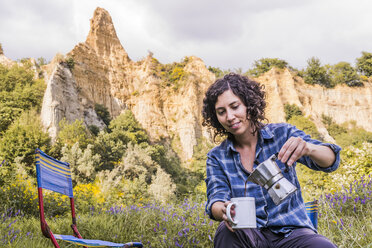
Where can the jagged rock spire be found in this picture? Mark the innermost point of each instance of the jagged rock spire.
(102, 35)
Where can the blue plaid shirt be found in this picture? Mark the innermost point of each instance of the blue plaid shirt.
(226, 177)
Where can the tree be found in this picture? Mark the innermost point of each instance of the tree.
(265, 64)
(316, 74)
(364, 64)
(111, 144)
(216, 71)
(83, 164)
(22, 138)
(70, 133)
(18, 92)
(41, 61)
(344, 73)
(127, 123)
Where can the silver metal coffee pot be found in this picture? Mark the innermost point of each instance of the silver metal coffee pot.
(268, 175)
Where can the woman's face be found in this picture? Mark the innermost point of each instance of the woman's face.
(232, 113)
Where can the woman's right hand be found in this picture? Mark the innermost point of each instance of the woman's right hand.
(219, 213)
(224, 216)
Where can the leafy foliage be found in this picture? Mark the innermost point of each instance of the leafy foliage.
(111, 144)
(306, 125)
(41, 61)
(265, 64)
(316, 74)
(172, 74)
(70, 63)
(22, 138)
(83, 164)
(103, 113)
(347, 134)
(355, 162)
(18, 92)
(291, 110)
(71, 133)
(219, 73)
(344, 73)
(364, 64)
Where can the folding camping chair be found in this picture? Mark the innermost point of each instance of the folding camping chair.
(312, 212)
(56, 176)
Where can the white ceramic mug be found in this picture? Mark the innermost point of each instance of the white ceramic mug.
(245, 212)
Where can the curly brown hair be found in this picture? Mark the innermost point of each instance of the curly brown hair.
(250, 92)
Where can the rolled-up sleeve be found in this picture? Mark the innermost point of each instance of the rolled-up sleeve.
(306, 160)
(217, 184)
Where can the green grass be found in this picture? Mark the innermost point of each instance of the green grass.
(344, 217)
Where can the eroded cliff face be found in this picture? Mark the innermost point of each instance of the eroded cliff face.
(104, 74)
(342, 103)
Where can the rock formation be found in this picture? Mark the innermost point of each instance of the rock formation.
(4, 60)
(103, 73)
(342, 103)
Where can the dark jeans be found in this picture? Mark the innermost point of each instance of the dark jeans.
(264, 238)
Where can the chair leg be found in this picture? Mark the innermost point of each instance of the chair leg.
(54, 241)
(76, 232)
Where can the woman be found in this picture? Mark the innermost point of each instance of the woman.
(234, 105)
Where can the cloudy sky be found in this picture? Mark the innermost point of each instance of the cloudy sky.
(229, 34)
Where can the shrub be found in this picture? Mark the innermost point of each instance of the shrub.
(83, 164)
(265, 64)
(316, 74)
(364, 64)
(344, 73)
(70, 63)
(291, 110)
(347, 134)
(305, 125)
(22, 138)
(19, 92)
(71, 133)
(103, 113)
(217, 71)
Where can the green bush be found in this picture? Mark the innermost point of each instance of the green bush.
(71, 133)
(364, 64)
(344, 73)
(265, 64)
(291, 110)
(347, 134)
(111, 144)
(171, 74)
(103, 113)
(22, 138)
(70, 63)
(18, 92)
(305, 125)
(316, 74)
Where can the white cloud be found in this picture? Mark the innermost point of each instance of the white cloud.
(226, 34)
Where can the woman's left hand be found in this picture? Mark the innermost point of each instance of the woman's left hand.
(292, 150)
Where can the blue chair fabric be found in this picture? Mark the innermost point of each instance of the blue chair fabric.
(312, 212)
(55, 175)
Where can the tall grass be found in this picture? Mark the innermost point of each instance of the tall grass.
(180, 225)
(345, 217)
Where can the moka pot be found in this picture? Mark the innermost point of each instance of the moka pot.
(268, 175)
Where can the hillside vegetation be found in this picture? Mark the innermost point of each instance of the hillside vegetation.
(120, 167)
